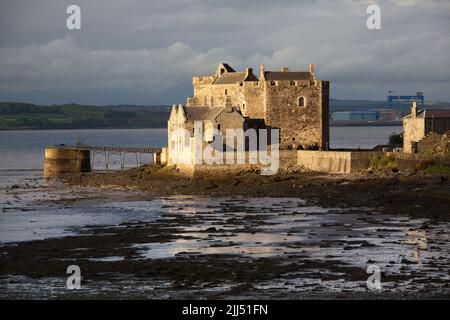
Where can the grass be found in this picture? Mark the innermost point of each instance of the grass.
(438, 168)
(383, 162)
(426, 152)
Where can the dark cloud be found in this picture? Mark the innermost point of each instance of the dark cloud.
(145, 52)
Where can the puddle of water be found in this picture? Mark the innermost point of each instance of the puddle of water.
(107, 259)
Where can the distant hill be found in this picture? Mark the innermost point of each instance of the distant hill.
(17, 115)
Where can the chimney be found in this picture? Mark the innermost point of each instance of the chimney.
(261, 73)
(414, 109)
(285, 69)
(228, 105)
(312, 70)
(248, 72)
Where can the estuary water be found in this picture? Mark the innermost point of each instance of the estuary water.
(24, 149)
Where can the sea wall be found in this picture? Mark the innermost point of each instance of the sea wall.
(287, 160)
(335, 161)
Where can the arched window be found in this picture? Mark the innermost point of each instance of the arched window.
(301, 102)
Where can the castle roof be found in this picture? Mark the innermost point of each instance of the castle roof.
(233, 77)
(431, 113)
(202, 113)
(281, 75)
(434, 113)
(227, 67)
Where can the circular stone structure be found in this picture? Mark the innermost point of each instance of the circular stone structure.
(65, 160)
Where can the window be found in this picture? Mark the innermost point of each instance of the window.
(301, 102)
(292, 83)
(272, 83)
(226, 91)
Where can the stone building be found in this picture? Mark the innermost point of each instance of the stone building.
(296, 103)
(420, 123)
(181, 126)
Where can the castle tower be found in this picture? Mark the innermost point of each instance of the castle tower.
(292, 101)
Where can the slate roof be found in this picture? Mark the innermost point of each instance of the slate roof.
(227, 67)
(431, 113)
(279, 75)
(202, 113)
(230, 78)
(233, 77)
(434, 113)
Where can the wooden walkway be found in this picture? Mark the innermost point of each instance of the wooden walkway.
(108, 151)
(107, 148)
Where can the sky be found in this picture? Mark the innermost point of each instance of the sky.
(146, 51)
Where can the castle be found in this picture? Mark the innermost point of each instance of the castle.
(294, 102)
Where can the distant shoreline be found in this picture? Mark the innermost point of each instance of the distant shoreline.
(81, 128)
(358, 124)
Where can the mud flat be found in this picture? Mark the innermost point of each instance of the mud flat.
(149, 233)
(397, 193)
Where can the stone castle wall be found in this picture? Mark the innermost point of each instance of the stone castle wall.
(335, 161)
(277, 103)
(413, 131)
(300, 126)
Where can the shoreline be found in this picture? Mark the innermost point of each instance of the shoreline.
(82, 128)
(335, 125)
(404, 193)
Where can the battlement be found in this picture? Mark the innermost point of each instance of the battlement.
(203, 79)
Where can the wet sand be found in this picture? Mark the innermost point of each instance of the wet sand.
(396, 193)
(290, 236)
